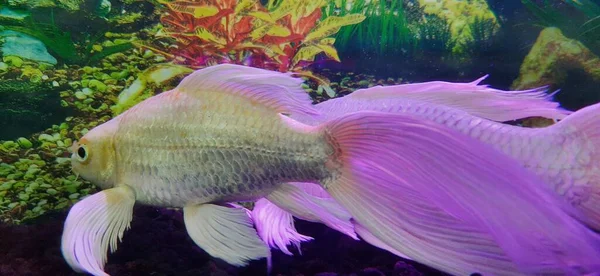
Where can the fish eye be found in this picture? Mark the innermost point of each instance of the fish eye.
(82, 153)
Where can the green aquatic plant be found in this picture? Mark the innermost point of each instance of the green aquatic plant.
(435, 36)
(62, 45)
(484, 33)
(585, 27)
(392, 29)
(385, 29)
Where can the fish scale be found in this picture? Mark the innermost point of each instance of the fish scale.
(550, 156)
(206, 161)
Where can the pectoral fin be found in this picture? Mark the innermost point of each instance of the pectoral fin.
(92, 225)
(225, 233)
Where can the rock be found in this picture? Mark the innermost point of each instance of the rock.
(5, 186)
(363, 83)
(87, 91)
(371, 272)
(23, 196)
(405, 269)
(24, 143)
(98, 85)
(46, 137)
(551, 58)
(459, 14)
(13, 60)
(148, 54)
(165, 72)
(103, 8)
(80, 95)
(12, 17)
(32, 74)
(157, 75)
(537, 122)
(69, 5)
(25, 46)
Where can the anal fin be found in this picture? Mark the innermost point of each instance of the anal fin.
(299, 203)
(276, 226)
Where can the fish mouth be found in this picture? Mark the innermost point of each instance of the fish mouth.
(75, 173)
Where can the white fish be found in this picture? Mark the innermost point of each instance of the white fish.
(410, 185)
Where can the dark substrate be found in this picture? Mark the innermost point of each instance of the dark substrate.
(157, 244)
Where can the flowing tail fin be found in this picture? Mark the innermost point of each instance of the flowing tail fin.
(474, 98)
(446, 200)
(582, 130)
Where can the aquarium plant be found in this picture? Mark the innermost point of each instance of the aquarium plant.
(485, 35)
(282, 35)
(385, 28)
(397, 31)
(584, 26)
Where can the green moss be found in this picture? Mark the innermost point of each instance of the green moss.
(27, 107)
(32, 74)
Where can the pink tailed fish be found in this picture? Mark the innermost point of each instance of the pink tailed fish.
(563, 155)
(410, 185)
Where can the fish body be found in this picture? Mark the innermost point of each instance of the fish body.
(412, 186)
(233, 150)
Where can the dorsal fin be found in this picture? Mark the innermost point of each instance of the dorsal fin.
(478, 100)
(277, 90)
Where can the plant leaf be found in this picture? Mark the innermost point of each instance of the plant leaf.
(327, 41)
(278, 30)
(330, 51)
(197, 10)
(264, 16)
(260, 31)
(332, 25)
(307, 53)
(270, 50)
(307, 23)
(284, 8)
(206, 35)
(244, 6)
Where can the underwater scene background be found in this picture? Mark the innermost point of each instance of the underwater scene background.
(70, 65)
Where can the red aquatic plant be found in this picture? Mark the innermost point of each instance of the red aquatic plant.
(285, 38)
